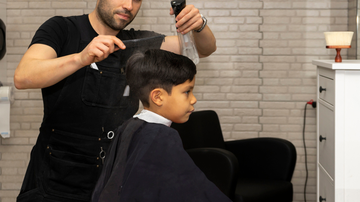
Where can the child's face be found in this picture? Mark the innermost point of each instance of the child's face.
(180, 104)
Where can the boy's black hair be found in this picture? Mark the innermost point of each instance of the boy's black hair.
(157, 69)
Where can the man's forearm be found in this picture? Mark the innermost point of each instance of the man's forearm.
(40, 67)
(34, 72)
(205, 42)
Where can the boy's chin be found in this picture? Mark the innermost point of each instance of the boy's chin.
(184, 120)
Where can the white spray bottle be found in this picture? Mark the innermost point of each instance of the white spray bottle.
(187, 44)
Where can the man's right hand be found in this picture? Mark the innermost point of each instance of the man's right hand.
(40, 67)
(99, 49)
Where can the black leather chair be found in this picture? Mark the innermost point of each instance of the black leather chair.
(266, 165)
(219, 165)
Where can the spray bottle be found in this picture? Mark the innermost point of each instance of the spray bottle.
(187, 44)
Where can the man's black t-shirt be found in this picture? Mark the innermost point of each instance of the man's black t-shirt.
(66, 34)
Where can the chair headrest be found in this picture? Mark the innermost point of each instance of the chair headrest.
(2, 39)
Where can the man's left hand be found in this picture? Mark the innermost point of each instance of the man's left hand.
(188, 19)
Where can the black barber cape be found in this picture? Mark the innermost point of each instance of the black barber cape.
(146, 162)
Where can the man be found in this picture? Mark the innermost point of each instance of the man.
(78, 62)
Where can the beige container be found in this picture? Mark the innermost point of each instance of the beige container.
(338, 38)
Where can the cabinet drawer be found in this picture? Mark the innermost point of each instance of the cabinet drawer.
(328, 92)
(327, 146)
(326, 187)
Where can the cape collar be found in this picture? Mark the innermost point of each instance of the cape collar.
(152, 117)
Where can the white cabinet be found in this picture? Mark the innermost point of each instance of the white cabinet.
(338, 131)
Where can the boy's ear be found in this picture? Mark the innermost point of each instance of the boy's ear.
(156, 96)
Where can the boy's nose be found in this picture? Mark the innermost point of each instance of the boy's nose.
(193, 100)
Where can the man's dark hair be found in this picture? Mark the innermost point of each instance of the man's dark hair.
(157, 69)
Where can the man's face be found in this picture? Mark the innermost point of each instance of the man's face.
(117, 14)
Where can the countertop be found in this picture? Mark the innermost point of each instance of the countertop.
(345, 64)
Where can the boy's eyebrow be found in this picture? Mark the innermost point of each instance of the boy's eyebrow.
(190, 88)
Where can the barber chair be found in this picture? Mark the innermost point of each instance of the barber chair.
(219, 166)
(266, 165)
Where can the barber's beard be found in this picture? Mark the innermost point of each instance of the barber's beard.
(107, 17)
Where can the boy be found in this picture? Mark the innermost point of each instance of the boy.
(147, 161)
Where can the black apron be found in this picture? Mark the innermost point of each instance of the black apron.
(74, 136)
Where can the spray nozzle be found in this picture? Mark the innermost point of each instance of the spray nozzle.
(177, 6)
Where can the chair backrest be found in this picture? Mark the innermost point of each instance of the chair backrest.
(278, 158)
(219, 166)
(201, 130)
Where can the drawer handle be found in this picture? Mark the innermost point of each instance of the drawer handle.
(321, 138)
(321, 89)
(321, 199)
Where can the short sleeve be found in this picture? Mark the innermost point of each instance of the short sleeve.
(53, 33)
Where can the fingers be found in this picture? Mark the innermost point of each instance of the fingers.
(100, 48)
(108, 44)
(118, 44)
(171, 11)
(188, 19)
